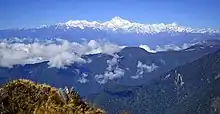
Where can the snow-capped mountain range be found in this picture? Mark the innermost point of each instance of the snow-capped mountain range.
(117, 30)
(119, 24)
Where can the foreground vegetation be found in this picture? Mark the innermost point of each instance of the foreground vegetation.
(26, 97)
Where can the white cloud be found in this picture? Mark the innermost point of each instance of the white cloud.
(139, 74)
(112, 62)
(64, 58)
(147, 68)
(172, 47)
(103, 47)
(58, 54)
(147, 48)
(83, 79)
(109, 75)
(112, 71)
(141, 68)
(165, 47)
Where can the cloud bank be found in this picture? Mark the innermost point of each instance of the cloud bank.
(58, 54)
(147, 48)
(165, 47)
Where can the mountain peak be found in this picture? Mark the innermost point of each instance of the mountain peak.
(117, 19)
(117, 23)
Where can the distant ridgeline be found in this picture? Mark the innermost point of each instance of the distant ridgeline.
(26, 97)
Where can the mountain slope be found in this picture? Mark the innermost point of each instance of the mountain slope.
(189, 89)
(131, 66)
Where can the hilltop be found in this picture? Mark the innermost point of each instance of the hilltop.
(26, 97)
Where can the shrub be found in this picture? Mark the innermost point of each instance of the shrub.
(26, 97)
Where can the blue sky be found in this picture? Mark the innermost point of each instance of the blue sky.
(33, 13)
